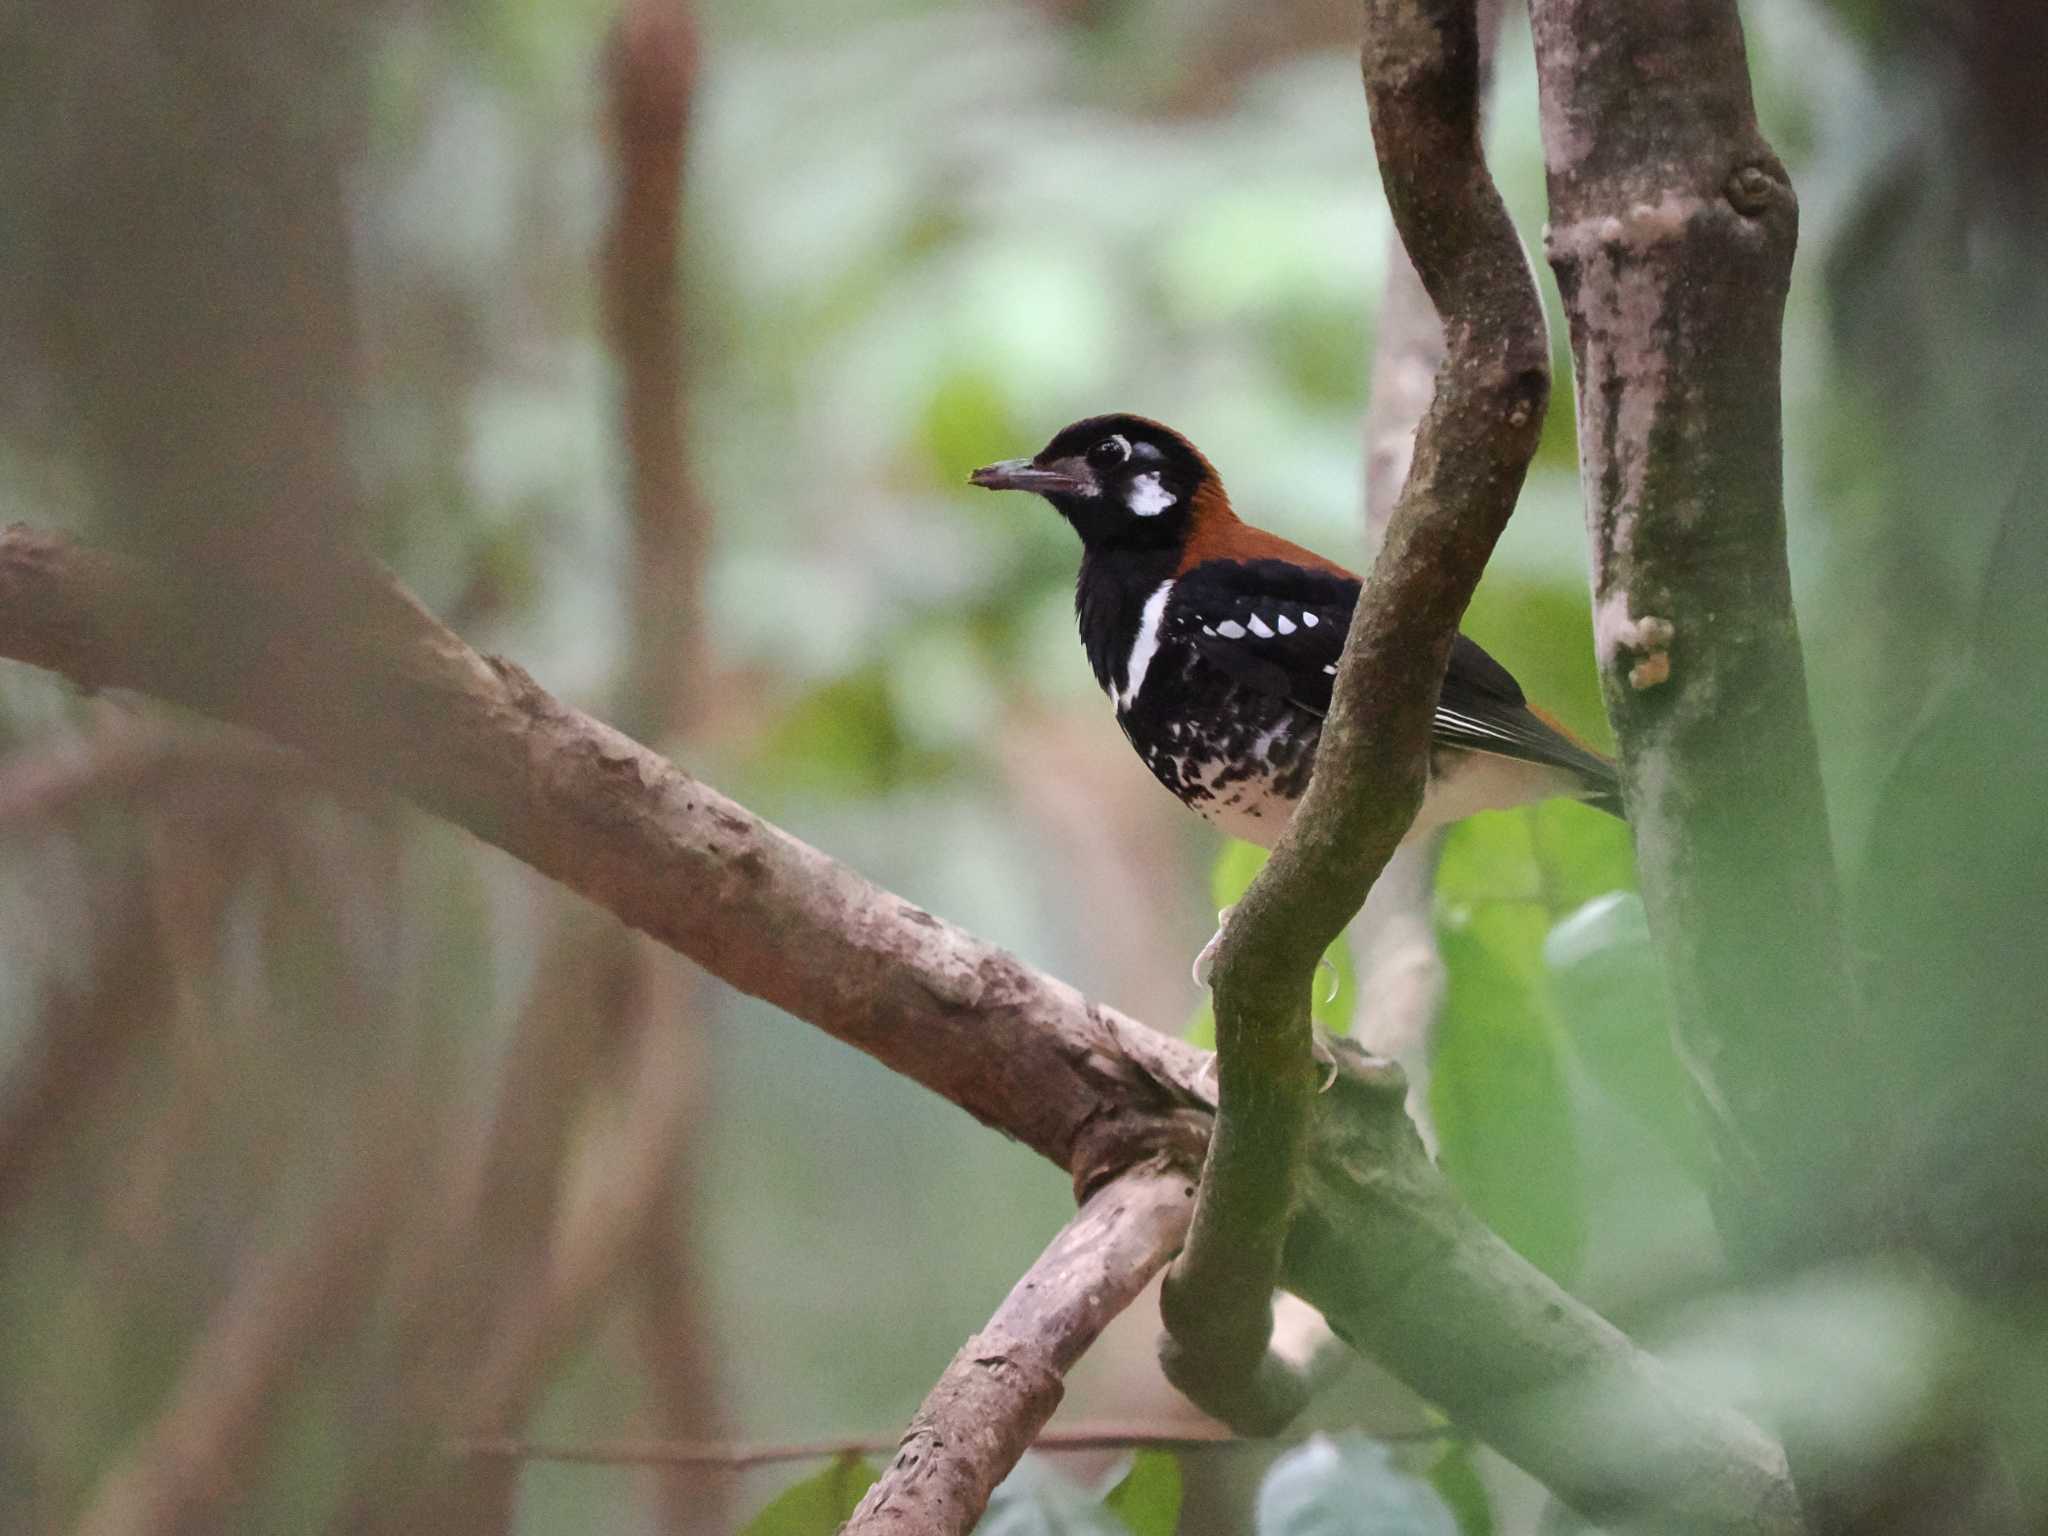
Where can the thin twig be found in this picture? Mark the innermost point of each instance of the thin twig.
(996, 1396)
(1053, 1440)
(1401, 978)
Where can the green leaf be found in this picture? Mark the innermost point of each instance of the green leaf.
(967, 422)
(1605, 983)
(1498, 1090)
(1334, 1003)
(1488, 858)
(1201, 1028)
(1147, 1498)
(1556, 855)
(1455, 1477)
(1236, 866)
(1036, 1501)
(1581, 852)
(818, 1505)
(1347, 1486)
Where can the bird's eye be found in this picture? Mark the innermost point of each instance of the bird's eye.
(1110, 452)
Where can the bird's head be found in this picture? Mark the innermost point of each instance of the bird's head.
(1122, 481)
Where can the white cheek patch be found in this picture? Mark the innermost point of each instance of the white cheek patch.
(1147, 497)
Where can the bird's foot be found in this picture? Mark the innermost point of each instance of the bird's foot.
(1325, 1055)
(1319, 1044)
(1205, 962)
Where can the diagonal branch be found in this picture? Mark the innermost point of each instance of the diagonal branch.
(1006, 1381)
(1422, 84)
(1383, 1247)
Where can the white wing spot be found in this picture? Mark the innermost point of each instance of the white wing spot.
(1261, 628)
(1230, 629)
(1144, 648)
(1208, 631)
(1331, 668)
(1284, 624)
(1309, 621)
(1147, 497)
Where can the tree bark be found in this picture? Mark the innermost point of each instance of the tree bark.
(1672, 229)
(1671, 232)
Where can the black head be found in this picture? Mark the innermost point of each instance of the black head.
(1122, 481)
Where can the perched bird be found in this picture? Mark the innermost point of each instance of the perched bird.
(1217, 643)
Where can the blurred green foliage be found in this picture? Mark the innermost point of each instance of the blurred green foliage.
(816, 1505)
(1347, 1485)
(922, 236)
(1147, 1498)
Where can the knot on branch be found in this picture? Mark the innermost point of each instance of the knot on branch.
(1111, 1145)
(1644, 642)
(1755, 188)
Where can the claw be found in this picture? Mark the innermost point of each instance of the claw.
(1205, 962)
(1336, 981)
(1325, 1056)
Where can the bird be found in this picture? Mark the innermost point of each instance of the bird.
(1217, 643)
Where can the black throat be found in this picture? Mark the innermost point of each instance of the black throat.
(1109, 600)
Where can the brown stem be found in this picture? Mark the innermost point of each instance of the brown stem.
(188, 1465)
(995, 1397)
(739, 1456)
(1422, 86)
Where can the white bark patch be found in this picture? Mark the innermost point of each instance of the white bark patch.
(1616, 635)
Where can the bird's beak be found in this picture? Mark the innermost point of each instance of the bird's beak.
(1025, 475)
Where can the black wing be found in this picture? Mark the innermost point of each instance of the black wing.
(1271, 625)
(1279, 628)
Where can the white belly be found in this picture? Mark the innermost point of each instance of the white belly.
(1477, 782)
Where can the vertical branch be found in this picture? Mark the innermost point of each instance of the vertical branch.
(1474, 446)
(1672, 228)
(1400, 974)
(652, 73)
(652, 69)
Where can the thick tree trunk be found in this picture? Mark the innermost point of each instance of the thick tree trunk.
(1672, 229)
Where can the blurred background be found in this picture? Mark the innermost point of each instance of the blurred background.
(327, 1134)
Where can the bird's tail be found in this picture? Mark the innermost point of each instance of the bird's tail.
(1605, 796)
